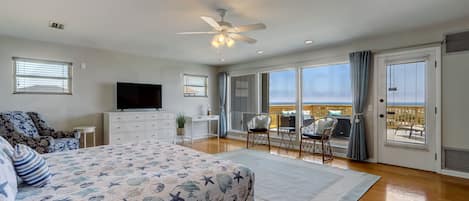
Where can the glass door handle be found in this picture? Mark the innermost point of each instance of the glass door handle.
(381, 115)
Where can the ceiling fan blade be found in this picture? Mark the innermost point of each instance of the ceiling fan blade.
(192, 33)
(249, 27)
(242, 38)
(212, 22)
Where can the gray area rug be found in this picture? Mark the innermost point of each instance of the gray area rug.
(286, 179)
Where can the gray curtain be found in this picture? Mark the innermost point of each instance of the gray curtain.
(222, 90)
(360, 66)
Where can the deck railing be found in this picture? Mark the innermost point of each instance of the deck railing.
(397, 115)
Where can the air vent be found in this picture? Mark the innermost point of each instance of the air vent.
(56, 25)
(457, 42)
(456, 159)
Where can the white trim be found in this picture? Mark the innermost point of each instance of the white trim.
(454, 173)
(438, 119)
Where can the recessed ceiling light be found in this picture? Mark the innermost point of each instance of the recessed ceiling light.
(308, 42)
(260, 52)
(222, 60)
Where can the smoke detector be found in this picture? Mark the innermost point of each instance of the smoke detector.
(56, 25)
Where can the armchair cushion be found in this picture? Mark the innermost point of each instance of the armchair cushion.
(46, 130)
(18, 122)
(64, 144)
(42, 144)
(318, 127)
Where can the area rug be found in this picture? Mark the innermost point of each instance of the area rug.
(286, 179)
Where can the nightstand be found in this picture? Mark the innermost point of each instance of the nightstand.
(85, 130)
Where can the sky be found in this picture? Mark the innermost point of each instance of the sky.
(332, 84)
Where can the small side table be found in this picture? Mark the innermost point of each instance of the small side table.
(87, 130)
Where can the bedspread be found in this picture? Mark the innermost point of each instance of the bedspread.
(145, 171)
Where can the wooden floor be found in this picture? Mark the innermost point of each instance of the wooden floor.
(396, 183)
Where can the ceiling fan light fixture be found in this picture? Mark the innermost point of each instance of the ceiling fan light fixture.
(221, 38)
(229, 42)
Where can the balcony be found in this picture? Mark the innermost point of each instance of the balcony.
(405, 124)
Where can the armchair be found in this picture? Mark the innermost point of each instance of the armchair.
(32, 130)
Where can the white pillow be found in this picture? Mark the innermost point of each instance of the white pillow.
(6, 147)
(8, 183)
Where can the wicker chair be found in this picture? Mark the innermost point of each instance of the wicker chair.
(321, 130)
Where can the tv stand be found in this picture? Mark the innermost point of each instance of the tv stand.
(126, 127)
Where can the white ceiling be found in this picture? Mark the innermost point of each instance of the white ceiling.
(148, 27)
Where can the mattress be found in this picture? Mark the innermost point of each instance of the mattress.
(149, 171)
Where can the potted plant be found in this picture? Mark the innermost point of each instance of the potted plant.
(181, 121)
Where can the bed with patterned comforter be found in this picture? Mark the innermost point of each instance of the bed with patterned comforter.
(148, 171)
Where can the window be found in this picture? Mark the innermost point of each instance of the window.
(243, 103)
(195, 85)
(327, 92)
(42, 77)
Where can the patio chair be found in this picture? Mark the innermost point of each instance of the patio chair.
(258, 125)
(321, 130)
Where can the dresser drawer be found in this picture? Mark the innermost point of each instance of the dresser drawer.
(166, 133)
(127, 117)
(166, 116)
(151, 135)
(152, 116)
(118, 139)
(128, 127)
(151, 125)
(166, 124)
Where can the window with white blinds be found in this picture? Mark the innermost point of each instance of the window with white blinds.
(42, 77)
(195, 85)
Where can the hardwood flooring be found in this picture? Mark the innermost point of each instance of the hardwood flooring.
(396, 183)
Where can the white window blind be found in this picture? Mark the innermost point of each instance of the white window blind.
(40, 76)
(195, 85)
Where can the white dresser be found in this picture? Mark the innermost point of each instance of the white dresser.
(126, 127)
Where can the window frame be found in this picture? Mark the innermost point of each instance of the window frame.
(43, 61)
(197, 76)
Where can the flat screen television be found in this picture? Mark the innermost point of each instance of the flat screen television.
(138, 96)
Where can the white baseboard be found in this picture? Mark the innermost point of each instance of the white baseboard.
(455, 173)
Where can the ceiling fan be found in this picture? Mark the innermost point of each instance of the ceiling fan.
(225, 32)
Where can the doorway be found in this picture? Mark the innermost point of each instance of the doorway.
(407, 108)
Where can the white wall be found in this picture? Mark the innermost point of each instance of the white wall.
(94, 87)
(455, 69)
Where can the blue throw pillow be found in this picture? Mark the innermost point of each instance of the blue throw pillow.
(8, 183)
(30, 166)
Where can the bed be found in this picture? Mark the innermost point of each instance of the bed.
(148, 171)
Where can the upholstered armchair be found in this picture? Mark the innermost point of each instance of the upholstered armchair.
(32, 130)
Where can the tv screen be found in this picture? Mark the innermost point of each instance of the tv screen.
(138, 96)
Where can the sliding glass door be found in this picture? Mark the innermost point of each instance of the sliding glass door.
(326, 92)
(282, 99)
